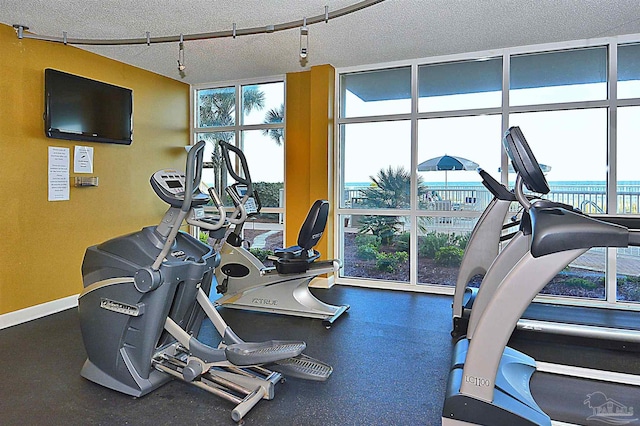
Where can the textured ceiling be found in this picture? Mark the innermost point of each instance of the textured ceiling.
(389, 31)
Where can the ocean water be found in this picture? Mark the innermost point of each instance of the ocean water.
(576, 183)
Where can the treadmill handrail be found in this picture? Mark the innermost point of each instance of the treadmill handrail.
(497, 189)
(555, 229)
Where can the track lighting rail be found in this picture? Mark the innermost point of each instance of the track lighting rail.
(235, 32)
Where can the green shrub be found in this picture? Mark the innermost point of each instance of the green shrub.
(581, 283)
(269, 193)
(367, 252)
(390, 262)
(631, 279)
(203, 237)
(384, 227)
(434, 241)
(402, 241)
(368, 240)
(463, 240)
(449, 256)
(261, 253)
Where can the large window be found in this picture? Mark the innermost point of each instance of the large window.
(250, 116)
(405, 219)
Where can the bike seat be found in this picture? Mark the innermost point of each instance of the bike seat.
(309, 235)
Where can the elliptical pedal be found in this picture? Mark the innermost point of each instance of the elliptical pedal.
(303, 367)
(243, 354)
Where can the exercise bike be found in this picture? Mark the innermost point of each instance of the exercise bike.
(246, 283)
(145, 297)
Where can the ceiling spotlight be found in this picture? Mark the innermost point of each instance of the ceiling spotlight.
(304, 41)
(181, 66)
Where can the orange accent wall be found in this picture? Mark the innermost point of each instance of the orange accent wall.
(309, 150)
(42, 243)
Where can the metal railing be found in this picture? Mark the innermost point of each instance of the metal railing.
(590, 198)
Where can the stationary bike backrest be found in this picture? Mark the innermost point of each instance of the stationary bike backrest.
(314, 225)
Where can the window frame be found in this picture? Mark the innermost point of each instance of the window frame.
(238, 128)
(611, 103)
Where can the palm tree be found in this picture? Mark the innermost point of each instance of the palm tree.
(390, 189)
(217, 108)
(275, 115)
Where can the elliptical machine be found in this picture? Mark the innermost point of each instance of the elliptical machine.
(246, 283)
(146, 295)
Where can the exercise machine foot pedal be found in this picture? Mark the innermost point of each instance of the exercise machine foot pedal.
(303, 367)
(243, 354)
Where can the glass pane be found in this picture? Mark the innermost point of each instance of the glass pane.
(629, 71)
(376, 92)
(263, 103)
(441, 244)
(265, 158)
(552, 77)
(573, 144)
(628, 278)
(449, 152)
(214, 164)
(583, 278)
(376, 165)
(628, 154)
(375, 247)
(216, 107)
(460, 85)
(264, 234)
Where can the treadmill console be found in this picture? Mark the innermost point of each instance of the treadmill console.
(169, 185)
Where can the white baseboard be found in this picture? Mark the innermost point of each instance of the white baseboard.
(323, 282)
(38, 311)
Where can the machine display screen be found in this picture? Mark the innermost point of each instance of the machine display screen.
(174, 183)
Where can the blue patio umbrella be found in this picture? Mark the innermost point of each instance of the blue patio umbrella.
(446, 163)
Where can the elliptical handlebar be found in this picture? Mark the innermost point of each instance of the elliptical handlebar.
(239, 215)
(193, 174)
(226, 147)
(210, 225)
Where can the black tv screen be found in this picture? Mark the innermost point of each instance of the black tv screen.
(77, 108)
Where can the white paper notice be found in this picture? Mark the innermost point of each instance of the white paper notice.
(58, 173)
(83, 159)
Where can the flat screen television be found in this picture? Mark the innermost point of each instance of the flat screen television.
(81, 109)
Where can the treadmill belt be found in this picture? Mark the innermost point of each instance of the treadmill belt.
(586, 402)
(595, 356)
(597, 317)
